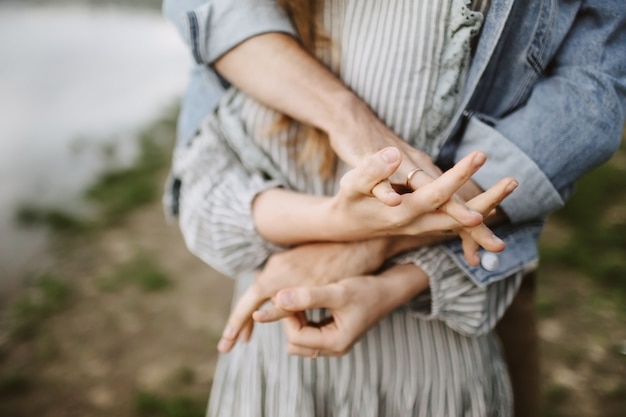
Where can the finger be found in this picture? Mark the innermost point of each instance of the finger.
(485, 238)
(371, 171)
(271, 314)
(439, 222)
(387, 193)
(327, 338)
(246, 331)
(293, 325)
(486, 202)
(249, 302)
(307, 336)
(306, 298)
(491, 198)
(481, 234)
(307, 352)
(436, 193)
(462, 213)
(470, 248)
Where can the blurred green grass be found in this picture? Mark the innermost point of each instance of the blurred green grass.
(141, 270)
(582, 291)
(150, 404)
(49, 296)
(595, 220)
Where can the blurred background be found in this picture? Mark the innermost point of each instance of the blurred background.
(103, 312)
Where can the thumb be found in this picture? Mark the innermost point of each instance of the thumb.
(305, 298)
(372, 170)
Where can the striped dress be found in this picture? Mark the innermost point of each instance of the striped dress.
(435, 356)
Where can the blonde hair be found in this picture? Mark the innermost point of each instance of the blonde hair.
(305, 15)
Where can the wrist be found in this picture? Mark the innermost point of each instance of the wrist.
(374, 253)
(401, 283)
(345, 110)
(288, 218)
(395, 245)
(339, 222)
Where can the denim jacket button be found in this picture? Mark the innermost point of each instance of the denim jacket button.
(489, 261)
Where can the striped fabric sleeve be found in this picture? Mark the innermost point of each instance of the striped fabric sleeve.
(216, 199)
(454, 298)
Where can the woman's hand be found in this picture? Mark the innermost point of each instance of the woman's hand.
(358, 133)
(355, 304)
(484, 202)
(290, 218)
(306, 265)
(357, 213)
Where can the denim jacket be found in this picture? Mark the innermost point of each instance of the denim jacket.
(545, 99)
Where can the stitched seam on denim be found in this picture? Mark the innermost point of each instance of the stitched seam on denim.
(536, 53)
(522, 92)
(192, 24)
(543, 35)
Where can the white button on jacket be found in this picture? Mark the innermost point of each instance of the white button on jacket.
(490, 261)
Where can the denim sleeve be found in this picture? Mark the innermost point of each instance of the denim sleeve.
(213, 27)
(572, 121)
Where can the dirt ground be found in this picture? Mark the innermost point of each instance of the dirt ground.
(124, 350)
(104, 349)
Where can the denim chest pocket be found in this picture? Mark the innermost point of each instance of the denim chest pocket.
(540, 50)
(534, 46)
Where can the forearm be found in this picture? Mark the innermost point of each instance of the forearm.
(293, 82)
(289, 218)
(397, 285)
(286, 77)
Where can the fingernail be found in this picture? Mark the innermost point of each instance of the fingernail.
(285, 298)
(475, 213)
(479, 159)
(223, 345)
(512, 185)
(389, 155)
(260, 315)
(228, 333)
(497, 240)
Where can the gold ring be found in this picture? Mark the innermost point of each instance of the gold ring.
(315, 354)
(409, 177)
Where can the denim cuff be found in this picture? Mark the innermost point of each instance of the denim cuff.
(534, 197)
(520, 255)
(223, 25)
